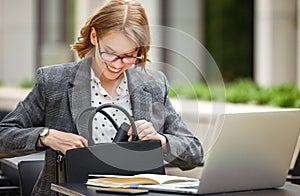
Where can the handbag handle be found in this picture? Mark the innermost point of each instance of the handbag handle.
(100, 109)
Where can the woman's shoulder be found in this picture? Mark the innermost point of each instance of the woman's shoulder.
(57, 69)
(60, 72)
(141, 74)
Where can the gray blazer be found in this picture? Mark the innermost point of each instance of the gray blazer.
(63, 91)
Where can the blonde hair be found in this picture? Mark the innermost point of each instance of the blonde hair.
(126, 16)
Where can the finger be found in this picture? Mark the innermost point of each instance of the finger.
(139, 122)
(84, 141)
(129, 132)
(62, 141)
(151, 136)
(138, 125)
(145, 132)
(81, 142)
(130, 138)
(148, 134)
(146, 129)
(76, 144)
(144, 126)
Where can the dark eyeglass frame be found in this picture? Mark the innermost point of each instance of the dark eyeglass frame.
(137, 58)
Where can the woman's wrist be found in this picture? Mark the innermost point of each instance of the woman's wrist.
(42, 136)
(163, 141)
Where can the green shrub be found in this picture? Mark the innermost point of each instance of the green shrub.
(191, 91)
(262, 97)
(284, 95)
(243, 91)
(297, 103)
(27, 84)
(201, 91)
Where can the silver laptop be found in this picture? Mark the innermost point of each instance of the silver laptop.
(252, 151)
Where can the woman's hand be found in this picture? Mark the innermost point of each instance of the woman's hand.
(146, 131)
(62, 141)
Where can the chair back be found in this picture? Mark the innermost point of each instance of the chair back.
(29, 172)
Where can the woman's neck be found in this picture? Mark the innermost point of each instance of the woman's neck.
(110, 85)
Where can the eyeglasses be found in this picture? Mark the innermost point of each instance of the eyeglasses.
(111, 57)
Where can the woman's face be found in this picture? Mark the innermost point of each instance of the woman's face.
(110, 63)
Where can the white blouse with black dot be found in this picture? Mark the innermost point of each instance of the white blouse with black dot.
(103, 130)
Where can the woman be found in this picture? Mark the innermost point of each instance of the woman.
(114, 38)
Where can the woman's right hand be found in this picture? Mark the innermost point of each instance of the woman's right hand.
(62, 141)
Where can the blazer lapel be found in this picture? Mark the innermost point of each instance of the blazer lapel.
(80, 98)
(141, 99)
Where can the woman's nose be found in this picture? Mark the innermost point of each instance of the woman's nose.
(117, 63)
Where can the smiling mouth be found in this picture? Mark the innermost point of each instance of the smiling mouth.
(114, 70)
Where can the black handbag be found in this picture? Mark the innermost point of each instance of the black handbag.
(118, 158)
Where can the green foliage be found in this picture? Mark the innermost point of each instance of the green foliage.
(27, 84)
(201, 91)
(284, 95)
(191, 91)
(241, 91)
(244, 91)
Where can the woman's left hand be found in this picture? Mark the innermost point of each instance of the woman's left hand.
(146, 131)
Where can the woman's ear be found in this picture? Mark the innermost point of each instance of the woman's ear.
(93, 36)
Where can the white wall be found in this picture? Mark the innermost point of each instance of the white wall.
(153, 11)
(275, 42)
(186, 19)
(53, 50)
(18, 39)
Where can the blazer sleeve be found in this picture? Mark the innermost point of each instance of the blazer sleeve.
(184, 150)
(20, 129)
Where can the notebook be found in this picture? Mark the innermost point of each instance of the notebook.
(252, 151)
(121, 158)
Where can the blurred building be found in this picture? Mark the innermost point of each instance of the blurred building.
(18, 40)
(36, 33)
(277, 43)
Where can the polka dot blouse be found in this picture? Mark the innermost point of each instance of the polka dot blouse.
(103, 130)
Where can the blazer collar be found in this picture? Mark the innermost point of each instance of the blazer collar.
(139, 87)
(80, 96)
